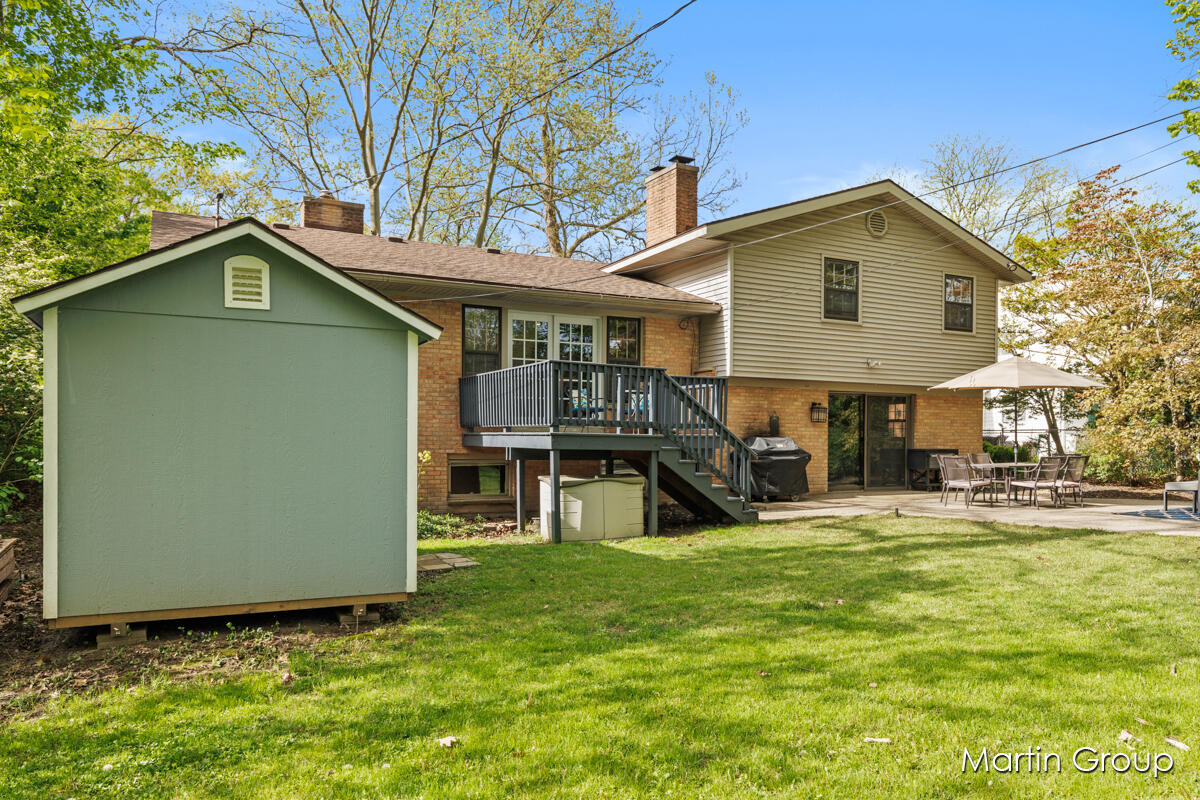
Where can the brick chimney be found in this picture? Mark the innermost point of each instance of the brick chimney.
(328, 213)
(671, 200)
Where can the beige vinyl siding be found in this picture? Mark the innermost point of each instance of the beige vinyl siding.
(778, 330)
(706, 277)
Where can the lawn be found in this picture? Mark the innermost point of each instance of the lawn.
(738, 662)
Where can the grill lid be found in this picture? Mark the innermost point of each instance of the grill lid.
(773, 446)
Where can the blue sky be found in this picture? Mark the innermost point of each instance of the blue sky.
(838, 92)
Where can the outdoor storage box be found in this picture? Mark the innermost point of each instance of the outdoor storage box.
(595, 508)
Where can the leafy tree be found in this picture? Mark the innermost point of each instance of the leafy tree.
(464, 121)
(1117, 293)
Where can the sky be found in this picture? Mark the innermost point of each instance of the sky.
(839, 92)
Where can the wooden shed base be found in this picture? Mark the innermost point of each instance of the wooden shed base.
(224, 611)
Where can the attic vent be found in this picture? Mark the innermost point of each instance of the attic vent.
(494, 250)
(247, 283)
(877, 223)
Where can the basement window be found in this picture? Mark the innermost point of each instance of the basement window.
(479, 480)
(247, 283)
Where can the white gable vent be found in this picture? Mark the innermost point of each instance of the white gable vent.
(247, 283)
(877, 223)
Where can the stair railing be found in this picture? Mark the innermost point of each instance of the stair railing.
(628, 399)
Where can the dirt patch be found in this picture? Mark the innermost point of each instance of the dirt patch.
(38, 663)
(1116, 491)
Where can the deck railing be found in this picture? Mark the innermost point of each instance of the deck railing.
(687, 410)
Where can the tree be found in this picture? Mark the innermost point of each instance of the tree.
(1117, 293)
(475, 122)
(1185, 46)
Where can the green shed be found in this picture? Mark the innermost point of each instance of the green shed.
(230, 427)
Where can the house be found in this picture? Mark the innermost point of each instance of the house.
(230, 426)
(830, 315)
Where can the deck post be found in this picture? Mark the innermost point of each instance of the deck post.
(652, 513)
(520, 492)
(609, 466)
(555, 497)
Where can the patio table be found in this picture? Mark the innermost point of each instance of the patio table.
(1008, 470)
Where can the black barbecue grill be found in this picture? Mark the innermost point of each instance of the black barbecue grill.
(780, 471)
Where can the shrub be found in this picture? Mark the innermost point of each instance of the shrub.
(445, 526)
(1002, 452)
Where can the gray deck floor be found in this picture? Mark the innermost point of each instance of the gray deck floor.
(1116, 515)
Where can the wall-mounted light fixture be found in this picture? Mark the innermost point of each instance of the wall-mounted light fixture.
(818, 413)
(872, 363)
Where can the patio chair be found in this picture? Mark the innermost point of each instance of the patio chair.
(1046, 475)
(1071, 483)
(957, 476)
(985, 459)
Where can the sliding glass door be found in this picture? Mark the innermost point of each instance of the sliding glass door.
(868, 439)
(845, 441)
(886, 439)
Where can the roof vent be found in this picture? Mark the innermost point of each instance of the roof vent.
(247, 283)
(283, 226)
(399, 239)
(877, 224)
(495, 250)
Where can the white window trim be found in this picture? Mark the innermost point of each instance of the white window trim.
(821, 288)
(508, 315)
(599, 346)
(248, 262)
(974, 302)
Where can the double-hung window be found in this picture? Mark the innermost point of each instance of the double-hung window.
(959, 304)
(480, 339)
(624, 341)
(841, 283)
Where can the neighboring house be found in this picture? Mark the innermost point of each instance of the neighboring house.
(831, 314)
(230, 426)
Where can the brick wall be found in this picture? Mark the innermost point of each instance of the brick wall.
(750, 408)
(953, 419)
(665, 344)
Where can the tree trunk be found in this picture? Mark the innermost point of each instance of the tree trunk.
(1045, 399)
(546, 190)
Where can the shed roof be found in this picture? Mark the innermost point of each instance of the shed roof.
(391, 256)
(33, 303)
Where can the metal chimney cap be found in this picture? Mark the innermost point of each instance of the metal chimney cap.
(327, 194)
(681, 159)
(658, 168)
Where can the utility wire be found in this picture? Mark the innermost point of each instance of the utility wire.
(737, 245)
(526, 102)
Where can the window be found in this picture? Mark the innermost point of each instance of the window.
(897, 420)
(624, 340)
(529, 339)
(480, 339)
(247, 283)
(478, 480)
(960, 303)
(841, 289)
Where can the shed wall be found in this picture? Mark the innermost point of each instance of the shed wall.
(211, 456)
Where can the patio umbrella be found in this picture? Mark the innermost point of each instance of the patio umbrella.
(1017, 373)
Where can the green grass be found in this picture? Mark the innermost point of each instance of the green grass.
(734, 663)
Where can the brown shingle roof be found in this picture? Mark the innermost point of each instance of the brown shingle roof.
(360, 253)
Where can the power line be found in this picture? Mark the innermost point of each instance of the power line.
(526, 102)
(736, 245)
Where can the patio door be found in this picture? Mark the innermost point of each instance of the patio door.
(540, 337)
(868, 440)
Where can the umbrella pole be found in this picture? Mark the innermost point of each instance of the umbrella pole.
(1016, 425)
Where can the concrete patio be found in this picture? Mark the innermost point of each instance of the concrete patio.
(1104, 514)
